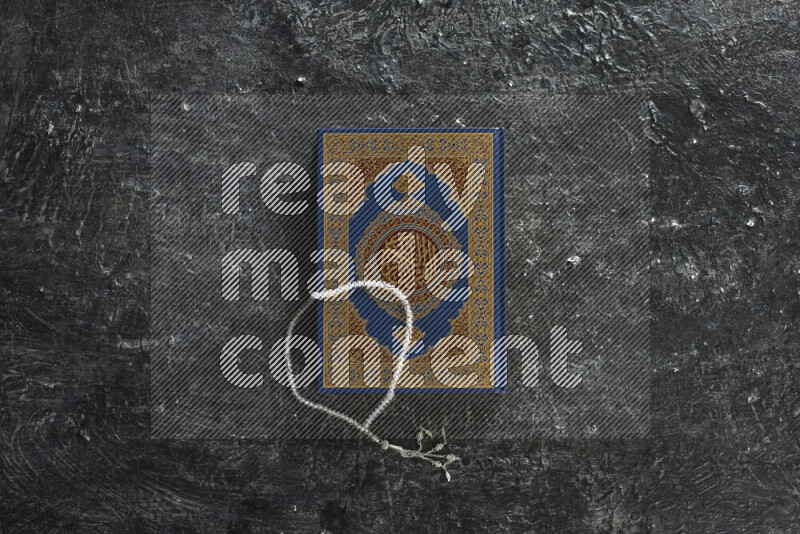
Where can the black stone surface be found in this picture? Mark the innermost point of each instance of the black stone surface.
(723, 454)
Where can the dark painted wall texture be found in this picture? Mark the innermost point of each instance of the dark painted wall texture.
(721, 79)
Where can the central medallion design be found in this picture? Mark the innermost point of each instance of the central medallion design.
(416, 239)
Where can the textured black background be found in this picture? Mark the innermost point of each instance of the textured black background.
(723, 454)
